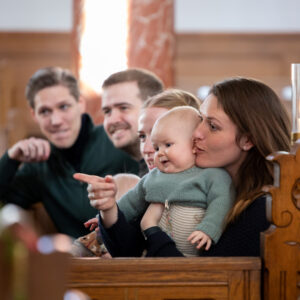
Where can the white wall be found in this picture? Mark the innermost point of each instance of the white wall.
(237, 15)
(190, 15)
(36, 15)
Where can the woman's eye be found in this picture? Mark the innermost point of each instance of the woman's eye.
(213, 127)
(156, 148)
(142, 137)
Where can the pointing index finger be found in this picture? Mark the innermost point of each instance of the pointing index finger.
(87, 178)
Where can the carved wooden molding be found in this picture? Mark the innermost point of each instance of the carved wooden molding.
(281, 251)
(296, 193)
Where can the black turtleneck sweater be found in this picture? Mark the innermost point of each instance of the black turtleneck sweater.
(73, 154)
(51, 182)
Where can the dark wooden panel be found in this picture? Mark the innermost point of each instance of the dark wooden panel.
(21, 55)
(202, 59)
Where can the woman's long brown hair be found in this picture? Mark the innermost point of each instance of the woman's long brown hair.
(259, 114)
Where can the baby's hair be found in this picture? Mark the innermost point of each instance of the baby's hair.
(186, 115)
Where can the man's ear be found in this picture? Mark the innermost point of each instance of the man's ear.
(246, 143)
(33, 114)
(82, 104)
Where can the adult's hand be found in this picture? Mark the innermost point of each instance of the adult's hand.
(30, 150)
(102, 193)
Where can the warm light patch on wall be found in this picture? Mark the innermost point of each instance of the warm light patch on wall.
(103, 41)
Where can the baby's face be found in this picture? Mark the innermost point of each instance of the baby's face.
(173, 149)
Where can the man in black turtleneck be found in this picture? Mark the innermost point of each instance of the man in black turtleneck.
(40, 170)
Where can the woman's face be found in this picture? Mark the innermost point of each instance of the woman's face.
(147, 119)
(215, 139)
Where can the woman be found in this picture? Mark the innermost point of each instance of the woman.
(243, 121)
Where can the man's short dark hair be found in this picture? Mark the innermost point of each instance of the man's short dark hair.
(148, 83)
(48, 77)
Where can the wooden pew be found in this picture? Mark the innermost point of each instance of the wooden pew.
(218, 277)
(26, 270)
(168, 278)
(281, 243)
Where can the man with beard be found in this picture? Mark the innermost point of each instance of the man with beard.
(40, 170)
(123, 94)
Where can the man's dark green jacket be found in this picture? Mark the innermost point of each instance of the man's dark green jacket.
(51, 182)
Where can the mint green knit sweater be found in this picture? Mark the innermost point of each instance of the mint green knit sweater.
(210, 188)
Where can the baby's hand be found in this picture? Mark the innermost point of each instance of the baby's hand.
(101, 191)
(152, 215)
(92, 224)
(201, 238)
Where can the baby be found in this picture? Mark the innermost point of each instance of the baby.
(190, 203)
